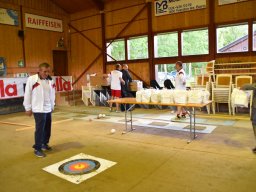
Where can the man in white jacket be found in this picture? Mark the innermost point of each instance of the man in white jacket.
(39, 100)
(180, 84)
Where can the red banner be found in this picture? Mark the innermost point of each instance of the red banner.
(14, 87)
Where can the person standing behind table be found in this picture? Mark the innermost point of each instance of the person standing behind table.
(115, 85)
(180, 84)
(127, 79)
(39, 100)
(253, 116)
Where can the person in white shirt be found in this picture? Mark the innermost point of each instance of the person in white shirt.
(115, 85)
(39, 100)
(180, 84)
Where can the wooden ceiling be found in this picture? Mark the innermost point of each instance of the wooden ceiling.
(73, 6)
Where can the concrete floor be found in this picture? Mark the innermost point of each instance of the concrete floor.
(148, 160)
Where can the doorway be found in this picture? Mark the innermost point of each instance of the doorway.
(60, 62)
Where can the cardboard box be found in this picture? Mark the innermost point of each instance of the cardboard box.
(99, 80)
(136, 85)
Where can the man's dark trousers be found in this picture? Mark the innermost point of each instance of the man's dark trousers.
(43, 123)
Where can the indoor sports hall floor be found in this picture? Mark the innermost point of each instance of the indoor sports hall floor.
(149, 159)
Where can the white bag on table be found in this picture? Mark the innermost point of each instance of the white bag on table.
(139, 96)
(146, 95)
(180, 96)
(195, 96)
(166, 96)
(155, 96)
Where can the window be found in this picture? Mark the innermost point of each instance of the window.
(168, 71)
(254, 37)
(163, 72)
(195, 42)
(232, 38)
(116, 50)
(166, 45)
(138, 48)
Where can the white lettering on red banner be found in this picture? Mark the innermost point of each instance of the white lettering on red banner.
(15, 87)
(45, 23)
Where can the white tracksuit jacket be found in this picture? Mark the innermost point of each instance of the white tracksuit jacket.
(180, 80)
(34, 95)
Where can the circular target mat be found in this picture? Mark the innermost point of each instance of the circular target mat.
(79, 166)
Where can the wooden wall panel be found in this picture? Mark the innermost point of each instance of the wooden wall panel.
(140, 69)
(11, 47)
(39, 46)
(87, 23)
(125, 15)
(136, 28)
(83, 53)
(117, 4)
(38, 43)
(87, 13)
(235, 12)
(118, 19)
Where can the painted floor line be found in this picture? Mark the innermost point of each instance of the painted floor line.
(56, 122)
(17, 124)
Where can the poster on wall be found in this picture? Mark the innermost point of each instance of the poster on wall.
(44, 23)
(225, 2)
(165, 7)
(9, 17)
(14, 87)
(2, 67)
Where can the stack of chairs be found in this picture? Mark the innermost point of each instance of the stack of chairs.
(221, 91)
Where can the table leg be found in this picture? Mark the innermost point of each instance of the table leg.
(190, 125)
(125, 109)
(194, 116)
(131, 119)
(126, 119)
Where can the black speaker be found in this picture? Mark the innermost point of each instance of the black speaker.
(21, 33)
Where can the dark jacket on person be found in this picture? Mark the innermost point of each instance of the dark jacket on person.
(253, 88)
(127, 78)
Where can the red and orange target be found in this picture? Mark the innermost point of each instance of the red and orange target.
(79, 167)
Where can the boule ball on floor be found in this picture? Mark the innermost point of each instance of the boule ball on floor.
(112, 131)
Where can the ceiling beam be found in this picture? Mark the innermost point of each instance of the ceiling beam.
(99, 4)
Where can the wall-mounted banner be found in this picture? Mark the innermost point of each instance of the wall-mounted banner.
(14, 87)
(164, 7)
(63, 83)
(224, 2)
(44, 23)
(9, 17)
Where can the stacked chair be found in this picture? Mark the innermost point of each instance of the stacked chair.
(204, 78)
(221, 91)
